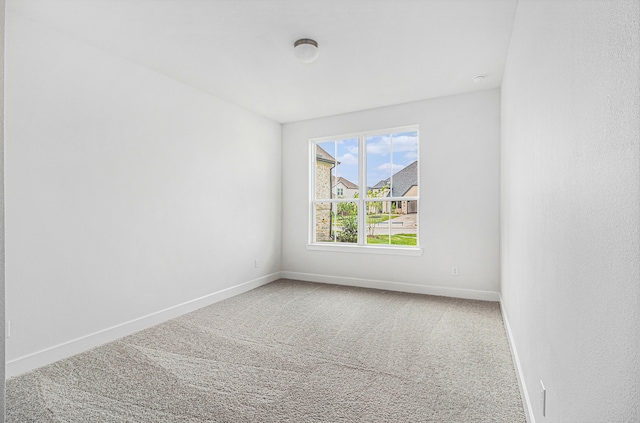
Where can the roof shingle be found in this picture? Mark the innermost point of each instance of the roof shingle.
(403, 180)
(347, 183)
(322, 155)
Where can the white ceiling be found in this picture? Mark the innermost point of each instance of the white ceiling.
(373, 53)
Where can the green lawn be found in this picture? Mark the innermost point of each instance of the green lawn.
(398, 239)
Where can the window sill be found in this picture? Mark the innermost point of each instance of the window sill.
(368, 249)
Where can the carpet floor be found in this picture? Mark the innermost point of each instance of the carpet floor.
(290, 351)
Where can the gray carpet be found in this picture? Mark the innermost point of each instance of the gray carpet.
(290, 352)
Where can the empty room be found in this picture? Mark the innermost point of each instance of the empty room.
(320, 211)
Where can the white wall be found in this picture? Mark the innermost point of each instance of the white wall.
(2, 305)
(127, 193)
(459, 204)
(571, 206)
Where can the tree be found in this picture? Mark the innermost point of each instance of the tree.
(375, 207)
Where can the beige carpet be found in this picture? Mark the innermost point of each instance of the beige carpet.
(290, 352)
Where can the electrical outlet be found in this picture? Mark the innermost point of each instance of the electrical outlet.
(543, 399)
(256, 263)
(454, 271)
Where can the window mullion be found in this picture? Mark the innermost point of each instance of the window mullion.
(391, 165)
(312, 191)
(322, 162)
(362, 169)
(313, 220)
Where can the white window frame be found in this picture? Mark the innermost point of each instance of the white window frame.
(361, 246)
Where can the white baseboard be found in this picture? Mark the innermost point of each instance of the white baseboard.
(526, 400)
(49, 355)
(470, 294)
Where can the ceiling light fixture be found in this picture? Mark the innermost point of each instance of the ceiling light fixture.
(479, 78)
(306, 50)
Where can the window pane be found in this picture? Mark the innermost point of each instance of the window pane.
(346, 180)
(378, 216)
(404, 162)
(323, 222)
(325, 170)
(346, 222)
(336, 222)
(378, 165)
(404, 227)
(388, 179)
(389, 224)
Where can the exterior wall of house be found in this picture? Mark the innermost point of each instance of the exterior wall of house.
(323, 210)
(412, 192)
(410, 206)
(346, 192)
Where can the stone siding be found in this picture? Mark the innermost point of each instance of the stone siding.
(323, 210)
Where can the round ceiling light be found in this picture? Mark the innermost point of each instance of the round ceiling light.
(306, 50)
(479, 78)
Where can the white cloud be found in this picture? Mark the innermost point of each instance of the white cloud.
(405, 143)
(411, 155)
(387, 166)
(348, 159)
(400, 145)
(381, 147)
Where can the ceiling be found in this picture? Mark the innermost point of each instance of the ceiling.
(373, 53)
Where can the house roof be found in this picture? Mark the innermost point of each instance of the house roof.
(323, 156)
(403, 180)
(347, 183)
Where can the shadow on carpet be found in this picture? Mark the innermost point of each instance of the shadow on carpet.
(290, 352)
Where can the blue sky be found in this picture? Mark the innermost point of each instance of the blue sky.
(380, 162)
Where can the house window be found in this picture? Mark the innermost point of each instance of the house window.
(376, 203)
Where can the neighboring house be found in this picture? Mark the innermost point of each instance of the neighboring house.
(344, 188)
(324, 164)
(405, 184)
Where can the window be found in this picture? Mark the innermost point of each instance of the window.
(364, 189)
